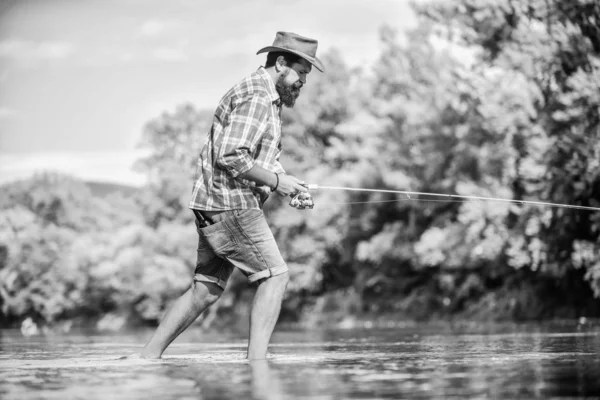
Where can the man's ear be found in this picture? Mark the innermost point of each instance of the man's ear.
(280, 64)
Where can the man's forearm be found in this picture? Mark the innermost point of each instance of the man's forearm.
(261, 176)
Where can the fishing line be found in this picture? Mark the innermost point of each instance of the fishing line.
(396, 200)
(451, 196)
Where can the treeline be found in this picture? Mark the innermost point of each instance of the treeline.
(487, 98)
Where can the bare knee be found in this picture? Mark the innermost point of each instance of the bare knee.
(281, 280)
(206, 291)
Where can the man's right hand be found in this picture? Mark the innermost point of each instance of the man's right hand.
(289, 185)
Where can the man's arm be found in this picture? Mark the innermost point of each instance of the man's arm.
(247, 123)
(281, 183)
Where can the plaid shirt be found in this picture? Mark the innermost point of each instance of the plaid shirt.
(246, 130)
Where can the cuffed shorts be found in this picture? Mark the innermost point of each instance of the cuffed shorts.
(237, 238)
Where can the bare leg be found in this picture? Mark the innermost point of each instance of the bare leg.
(264, 314)
(184, 311)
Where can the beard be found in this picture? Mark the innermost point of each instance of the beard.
(288, 93)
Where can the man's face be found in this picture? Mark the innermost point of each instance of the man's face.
(291, 80)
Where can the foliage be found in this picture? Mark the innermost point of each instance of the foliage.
(65, 254)
(548, 52)
(174, 141)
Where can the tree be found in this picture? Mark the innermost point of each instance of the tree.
(547, 51)
(173, 142)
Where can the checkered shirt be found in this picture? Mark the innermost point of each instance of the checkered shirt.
(246, 130)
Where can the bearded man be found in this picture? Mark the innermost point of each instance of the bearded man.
(238, 168)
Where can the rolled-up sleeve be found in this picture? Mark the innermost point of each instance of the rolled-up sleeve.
(248, 121)
(278, 168)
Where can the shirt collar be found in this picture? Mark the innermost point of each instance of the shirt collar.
(272, 91)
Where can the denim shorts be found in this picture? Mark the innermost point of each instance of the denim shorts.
(237, 238)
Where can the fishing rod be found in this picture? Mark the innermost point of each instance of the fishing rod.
(306, 201)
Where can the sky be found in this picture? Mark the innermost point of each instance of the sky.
(80, 78)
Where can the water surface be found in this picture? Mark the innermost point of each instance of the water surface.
(469, 361)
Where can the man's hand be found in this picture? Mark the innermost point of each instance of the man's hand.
(263, 192)
(289, 185)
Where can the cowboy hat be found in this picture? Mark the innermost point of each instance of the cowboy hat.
(299, 45)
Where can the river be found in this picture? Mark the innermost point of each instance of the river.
(460, 361)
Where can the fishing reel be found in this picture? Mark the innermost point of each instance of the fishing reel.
(302, 201)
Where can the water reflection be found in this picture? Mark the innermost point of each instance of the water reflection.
(266, 385)
(522, 362)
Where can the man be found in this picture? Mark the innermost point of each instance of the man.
(238, 168)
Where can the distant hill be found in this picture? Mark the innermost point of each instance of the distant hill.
(103, 189)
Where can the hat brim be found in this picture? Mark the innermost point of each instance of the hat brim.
(313, 60)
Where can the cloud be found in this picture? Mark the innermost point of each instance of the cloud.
(54, 50)
(108, 56)
(97, 166)
(6, 112)
(28, 49)
(152, 27)
(126, 57)
(172, 54)
(157, 27)
(245, 44)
